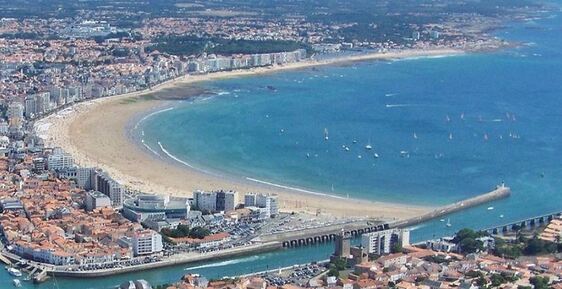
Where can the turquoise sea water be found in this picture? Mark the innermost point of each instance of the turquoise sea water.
(238, 133)
(467, 122)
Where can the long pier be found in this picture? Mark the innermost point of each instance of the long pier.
(522, 224)
(499, 193)
(327, 234)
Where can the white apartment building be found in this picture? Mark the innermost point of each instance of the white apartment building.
(381, 242)
(147, 242)
(60, 160)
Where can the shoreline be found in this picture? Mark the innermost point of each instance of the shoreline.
(77, 129)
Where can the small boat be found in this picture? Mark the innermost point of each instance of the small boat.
(501, 216)
(326, 137)
(282, 130)
(404, 154)
(442, 220)
(369, 147)
(415, 136)
(307, 155)
(14, 272)
(490, 208)
(448, 223)
(450, 136)
(354, 141)
(359, 156)
(447, 118)
(462, 116)
(376, 156)
(346, 148)
(486, 136)
(17, 283)
(271, 88)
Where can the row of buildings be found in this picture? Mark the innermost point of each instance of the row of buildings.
(50, 98)
(264, 205)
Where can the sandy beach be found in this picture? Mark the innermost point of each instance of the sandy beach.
(96, 134)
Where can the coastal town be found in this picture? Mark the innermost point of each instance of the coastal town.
(63, 217)
(445, 263)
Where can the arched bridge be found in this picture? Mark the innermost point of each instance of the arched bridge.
(324, 234)
(526, 223)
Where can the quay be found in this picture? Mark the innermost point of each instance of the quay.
(522, 224)
(41, 272)
(277, 270)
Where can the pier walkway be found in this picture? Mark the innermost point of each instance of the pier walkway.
(499, 193)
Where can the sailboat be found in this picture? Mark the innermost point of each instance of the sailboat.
(369, 146)
(326, 137)
(415, 136)
(448, 223)
(447, 118)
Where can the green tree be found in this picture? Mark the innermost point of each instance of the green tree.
(334, 272)
(396, 248)
(497, 280)
(199, 233)
(539, 282)
(469, 245)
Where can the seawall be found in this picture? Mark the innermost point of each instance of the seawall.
(171, 261)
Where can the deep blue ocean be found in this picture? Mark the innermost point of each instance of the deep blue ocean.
(466, 122)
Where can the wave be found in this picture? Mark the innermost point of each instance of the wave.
(416, 227)
(425, 57)
(174, 157)
(224, 263)
(293, 189)
(149, 148)
(151, 115)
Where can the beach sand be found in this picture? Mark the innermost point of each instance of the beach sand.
(96, 133)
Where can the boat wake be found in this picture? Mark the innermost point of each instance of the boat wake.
(400, 105)
(224, 263)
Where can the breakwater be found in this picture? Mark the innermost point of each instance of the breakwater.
(328, 233)
(499, 193)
